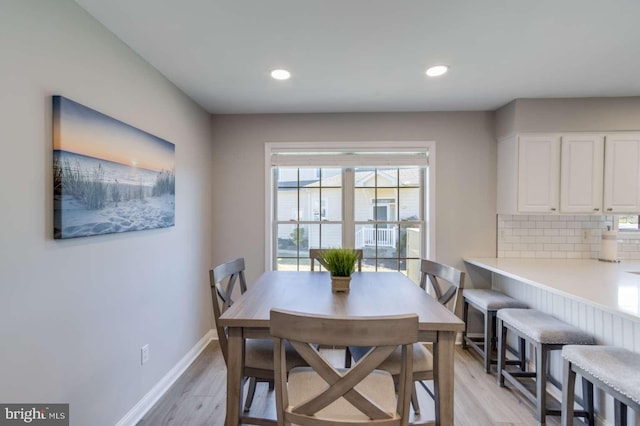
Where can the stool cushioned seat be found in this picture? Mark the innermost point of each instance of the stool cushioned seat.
(488, 303)
(617, 367)
(491, 300)
(544, 328)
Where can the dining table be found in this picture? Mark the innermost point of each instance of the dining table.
(370, 294)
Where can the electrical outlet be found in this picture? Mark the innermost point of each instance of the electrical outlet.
(585, 235)
(144, 354)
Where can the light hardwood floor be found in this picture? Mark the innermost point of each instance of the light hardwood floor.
(198, 396)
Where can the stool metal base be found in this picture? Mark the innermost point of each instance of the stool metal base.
(485, 345)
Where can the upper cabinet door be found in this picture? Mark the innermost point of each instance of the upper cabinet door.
(581, 173)
(538, 173)
(622, 174)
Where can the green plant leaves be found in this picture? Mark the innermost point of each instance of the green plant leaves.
(341, 262)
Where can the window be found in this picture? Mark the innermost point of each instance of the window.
(373, 199)
(628, 222)
(301, 217)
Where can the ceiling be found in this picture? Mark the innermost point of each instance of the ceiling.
(371, 55)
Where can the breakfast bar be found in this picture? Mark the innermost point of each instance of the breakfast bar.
(600, 298)
(605, 286)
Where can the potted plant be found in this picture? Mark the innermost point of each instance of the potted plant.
(341, 263)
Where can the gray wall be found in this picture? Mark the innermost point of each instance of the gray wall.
(505, 120)
(466, 174)
(570, 114)
(74, 313)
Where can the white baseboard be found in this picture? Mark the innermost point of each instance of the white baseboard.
(144, 405)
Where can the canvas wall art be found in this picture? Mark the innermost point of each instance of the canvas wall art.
(108, 176)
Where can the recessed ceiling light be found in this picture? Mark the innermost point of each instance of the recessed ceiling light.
(437, 70)
(280, 74)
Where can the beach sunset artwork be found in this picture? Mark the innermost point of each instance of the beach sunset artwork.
(108, 176)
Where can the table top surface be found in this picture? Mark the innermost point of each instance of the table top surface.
(371, 294)
(614, 287)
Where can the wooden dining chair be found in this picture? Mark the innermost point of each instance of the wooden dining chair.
(444, 283)
(323, 395)
(258, 366)
(317, 255)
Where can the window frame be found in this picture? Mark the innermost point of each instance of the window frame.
(429, 147)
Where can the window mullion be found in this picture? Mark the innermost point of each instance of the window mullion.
(320, 180)
(423, 213)
(298, 220)
(349, 229)
(274, 212)
(399, 225)
(375, 215)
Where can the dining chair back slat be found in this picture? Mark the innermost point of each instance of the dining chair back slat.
(331, 387)
(447, 283)
(223, 279)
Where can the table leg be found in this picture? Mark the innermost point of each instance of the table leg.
(235, 356)
(443, 377)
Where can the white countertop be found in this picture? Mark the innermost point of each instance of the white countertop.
(609, 286)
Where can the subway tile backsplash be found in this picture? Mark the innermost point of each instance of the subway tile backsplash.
(559, 237)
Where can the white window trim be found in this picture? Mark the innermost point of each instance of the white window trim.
(396, 146)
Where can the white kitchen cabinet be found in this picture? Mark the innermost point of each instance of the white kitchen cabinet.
(538, 173)
(585, 173)
(529, 174)
(581, 173)
(622, 173)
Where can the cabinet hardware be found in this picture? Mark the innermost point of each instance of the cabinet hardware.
(596, 210)
(609, 209)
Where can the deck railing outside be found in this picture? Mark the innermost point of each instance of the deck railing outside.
(369, 236)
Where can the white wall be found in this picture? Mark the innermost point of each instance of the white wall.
(74, 313)
(466, 174)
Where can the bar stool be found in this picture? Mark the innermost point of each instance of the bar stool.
(487, 302)
(614, 370)
(546, 333)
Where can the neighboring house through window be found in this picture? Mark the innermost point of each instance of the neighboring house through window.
(320, 209)
(377, 197)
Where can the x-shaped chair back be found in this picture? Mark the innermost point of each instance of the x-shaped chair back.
(446, 281)
(305, 332)
(223, 279)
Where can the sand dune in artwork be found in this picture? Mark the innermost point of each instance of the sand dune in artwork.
(132, 215)
(94, 196)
